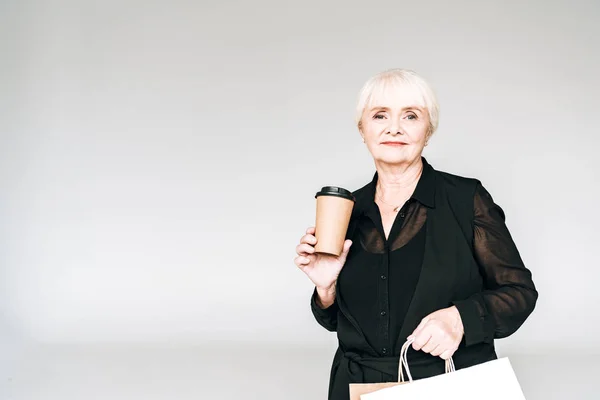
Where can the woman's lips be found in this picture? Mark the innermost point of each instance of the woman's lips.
(396, 144)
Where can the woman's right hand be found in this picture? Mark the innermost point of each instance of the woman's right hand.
(322, 269)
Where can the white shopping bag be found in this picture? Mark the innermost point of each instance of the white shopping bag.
(359, 389)
(492, 380)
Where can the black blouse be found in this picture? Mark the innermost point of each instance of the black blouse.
(378, 289)
(378, 280)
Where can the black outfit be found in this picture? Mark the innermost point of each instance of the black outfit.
(448, 246)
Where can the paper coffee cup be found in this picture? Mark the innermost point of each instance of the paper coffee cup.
(334, 208)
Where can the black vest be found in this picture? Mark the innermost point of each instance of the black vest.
(449, 273)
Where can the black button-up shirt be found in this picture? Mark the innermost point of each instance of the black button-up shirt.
(379, 304)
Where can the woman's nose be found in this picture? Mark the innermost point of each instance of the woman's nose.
(394, 126)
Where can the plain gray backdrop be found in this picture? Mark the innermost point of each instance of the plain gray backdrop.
(159, 160)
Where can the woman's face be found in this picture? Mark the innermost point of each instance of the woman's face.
(395, 127)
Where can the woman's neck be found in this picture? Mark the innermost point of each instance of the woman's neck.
(396, 182)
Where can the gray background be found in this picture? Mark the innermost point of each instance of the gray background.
(158, 164)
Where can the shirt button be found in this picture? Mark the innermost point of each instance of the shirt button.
(402, 215)
(383, 277)
(383, 313)
(384, 350)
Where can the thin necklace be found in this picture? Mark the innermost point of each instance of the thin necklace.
(396, 208)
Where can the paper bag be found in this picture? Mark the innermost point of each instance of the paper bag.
(358, 389)
(492, 380)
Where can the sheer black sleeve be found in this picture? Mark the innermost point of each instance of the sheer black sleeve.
(509, 294)
(326, 317)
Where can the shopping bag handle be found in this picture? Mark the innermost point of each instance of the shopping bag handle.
(403, 361)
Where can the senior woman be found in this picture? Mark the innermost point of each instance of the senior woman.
(427, 255)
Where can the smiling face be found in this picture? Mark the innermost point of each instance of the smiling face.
(395, 124)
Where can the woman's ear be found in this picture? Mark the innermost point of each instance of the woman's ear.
(359, 125)
(428, 136)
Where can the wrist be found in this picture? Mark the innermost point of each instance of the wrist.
(458, 324)
(325, 296)
(326, 291)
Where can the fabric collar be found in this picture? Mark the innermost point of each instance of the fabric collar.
(424, 192)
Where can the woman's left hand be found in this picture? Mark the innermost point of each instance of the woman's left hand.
(439, 333)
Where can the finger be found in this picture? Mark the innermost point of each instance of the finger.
(447, 354)
(418, 329)
(308, 238)
(304, 249)
(311, 230)
(301, 261)
(345, 251)
(437, 350)
(421, 340)
(431, 344)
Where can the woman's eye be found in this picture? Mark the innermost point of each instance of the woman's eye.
(378, 116)
(411, 116)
